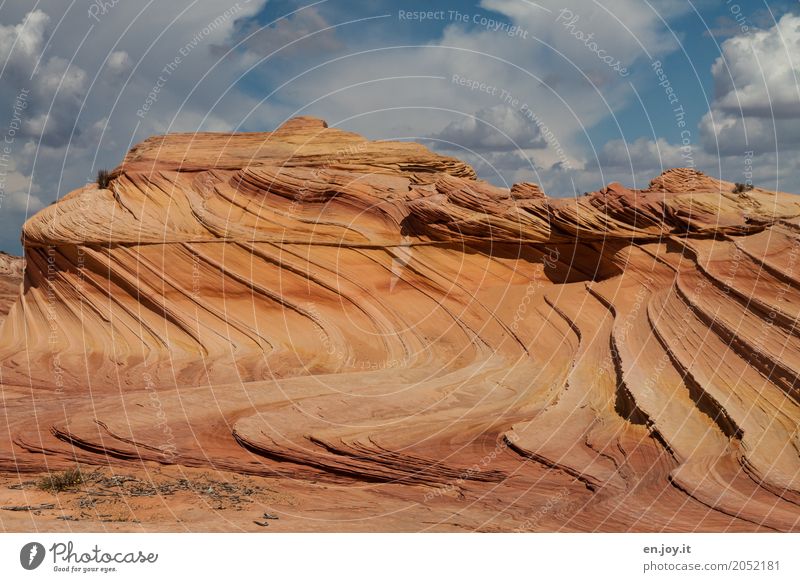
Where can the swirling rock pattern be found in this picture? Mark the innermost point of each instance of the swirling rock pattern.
(10, 278)
(310, 304)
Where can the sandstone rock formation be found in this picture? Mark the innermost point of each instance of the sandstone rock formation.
(368, 314)
(10, 278)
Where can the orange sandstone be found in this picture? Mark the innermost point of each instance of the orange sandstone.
(309, 305)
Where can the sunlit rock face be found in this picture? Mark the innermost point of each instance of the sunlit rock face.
(312, 304)
(10, 278)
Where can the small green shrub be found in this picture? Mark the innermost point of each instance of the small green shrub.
(56, 482)
(739, 188)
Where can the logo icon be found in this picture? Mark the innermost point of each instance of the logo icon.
(31, 555)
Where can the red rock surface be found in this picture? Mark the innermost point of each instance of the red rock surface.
(440, 353)
(10, 278)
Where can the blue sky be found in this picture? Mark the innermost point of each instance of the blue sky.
(565, 94)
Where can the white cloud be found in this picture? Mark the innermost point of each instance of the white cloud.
(19, 198)
(306, 31)
(622, 27)
(757, 92)
(20, 43)
(729, 134)
(118, 62)
(543, 68)
(496, 128)
(55, 86)
(557, 76)
(79, 73)
(758, 74)
(642, 155)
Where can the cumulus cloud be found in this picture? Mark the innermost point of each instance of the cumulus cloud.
(383, 78)
(78, 73)
(729, 134)
(56, 87)
(118, 62)
(497, 128)
(525, 50)
(620, 29)
(305, 32)
(757, 92)
(642, 155)
(19, 198)
(758, 75)
(22, 195)
(21, 43)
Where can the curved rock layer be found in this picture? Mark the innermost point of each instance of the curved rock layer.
(10, 279)
(311, 304)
